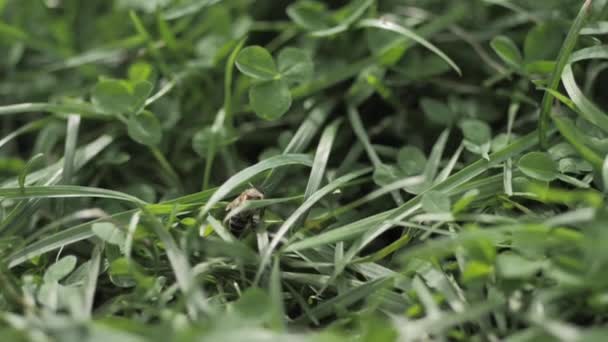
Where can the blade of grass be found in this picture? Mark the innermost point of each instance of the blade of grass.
(195, 299)
(83, 231)
(276, 297)
(85, 110)
(346, 299)
(321, 157)
(65, 191)
(575, 137)
(29, 127)
(357, 125)
(83, 156)
(432, 166)
(70, 148)
(293, 218)
(400, 184)
(228, 71)
(587, 108)
(333, 77)
(393, 27)
(91, 281)
(360, 132)
(71, 141)
(301, 140)
(562, 61)
(246, 174)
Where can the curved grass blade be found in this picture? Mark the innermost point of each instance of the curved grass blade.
(587, 108)
(562, 61)
(65, 191)
(399, 184)
(30, 126)
(246, 174)
(328, 79)
(575, 137)
(293, 218)
(47, 176)
(55, 241)
(82, 156)
(228, 71)
(343, 233)
(83, 231)
(390, 26)
(84, 110)
(29, 165)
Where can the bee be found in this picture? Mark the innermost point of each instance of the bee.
(238, 219)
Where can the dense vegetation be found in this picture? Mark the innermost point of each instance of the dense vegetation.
(432, 170)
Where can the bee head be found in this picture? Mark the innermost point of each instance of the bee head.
(253, 194)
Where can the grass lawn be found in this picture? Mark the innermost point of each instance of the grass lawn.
(324, 171)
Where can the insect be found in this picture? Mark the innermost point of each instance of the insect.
(238, 219)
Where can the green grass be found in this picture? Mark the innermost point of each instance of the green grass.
(432, 170)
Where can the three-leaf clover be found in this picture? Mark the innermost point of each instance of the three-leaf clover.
(269, 95)
(118, 97)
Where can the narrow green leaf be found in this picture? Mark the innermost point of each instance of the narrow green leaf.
(300, 141)
(228, 71)
(277, 300)
(244, 175)
(390, 26)
(195, 298)
(91, 281)
(293, 218)
(575, 137)
(587, 108)
(321, 157)
(346, 299)
(28, 166)
(562, 61)
(65, 191)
